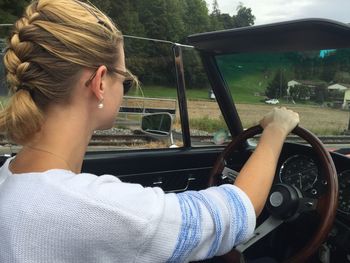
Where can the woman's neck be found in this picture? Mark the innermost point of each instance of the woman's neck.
(61, 143)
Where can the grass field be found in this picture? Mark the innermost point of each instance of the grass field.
(320, 120)
(246, 96)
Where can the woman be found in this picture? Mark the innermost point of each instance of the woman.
(65, 68)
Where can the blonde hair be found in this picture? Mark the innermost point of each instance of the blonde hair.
(47, 49)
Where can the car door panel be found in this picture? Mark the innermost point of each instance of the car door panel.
(172, 170)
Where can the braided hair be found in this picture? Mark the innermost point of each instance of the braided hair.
(46, 51)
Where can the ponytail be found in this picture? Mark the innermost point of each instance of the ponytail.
(21, 118)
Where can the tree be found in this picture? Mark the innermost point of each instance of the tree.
(277, 88)
(104, 5)
(216, 10)
(321, 94)
(215, 22)
(227, 21)
(195, 75)
(300, 92)
(175, 27)
(196, 18)
(244, 16)
(11, 10)
(330, 68)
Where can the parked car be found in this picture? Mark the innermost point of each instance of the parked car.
(272, 101)
(313, 222)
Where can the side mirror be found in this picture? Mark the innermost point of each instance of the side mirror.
(158, 124)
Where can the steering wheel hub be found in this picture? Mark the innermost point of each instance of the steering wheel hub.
(283, 201)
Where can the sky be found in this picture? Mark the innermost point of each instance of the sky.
(269, 11)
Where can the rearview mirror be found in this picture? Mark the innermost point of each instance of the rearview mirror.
(157, 124)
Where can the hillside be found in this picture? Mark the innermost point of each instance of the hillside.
(248, 75)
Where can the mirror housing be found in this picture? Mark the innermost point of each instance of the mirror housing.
(158, 125)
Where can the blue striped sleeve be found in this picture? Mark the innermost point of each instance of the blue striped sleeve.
(240, 217)
(190, 231)
(226, 209)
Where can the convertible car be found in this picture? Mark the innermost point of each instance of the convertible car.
(307, 215)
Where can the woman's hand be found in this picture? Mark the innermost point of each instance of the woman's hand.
(281, 118)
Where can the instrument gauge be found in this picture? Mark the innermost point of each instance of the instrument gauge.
(300, 171)
(344, 192)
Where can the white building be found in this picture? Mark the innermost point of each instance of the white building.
(339, 87)
(346, 102)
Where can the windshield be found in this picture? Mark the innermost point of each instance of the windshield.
(314, 83)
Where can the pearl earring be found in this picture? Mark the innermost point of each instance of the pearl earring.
(100, 105)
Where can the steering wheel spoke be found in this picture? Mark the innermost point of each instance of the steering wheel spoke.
(270, 224)
(228, 174)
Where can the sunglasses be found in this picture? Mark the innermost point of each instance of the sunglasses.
(129, 82)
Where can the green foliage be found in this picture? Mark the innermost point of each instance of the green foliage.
(244, 17)
(329, 70)
(171, 20)
(277, 88)
(195, 76)
(321, 94)
(300, 92)
(336, 95)
(11, 10)
(104, 5)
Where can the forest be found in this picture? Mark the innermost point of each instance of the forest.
(171, 20)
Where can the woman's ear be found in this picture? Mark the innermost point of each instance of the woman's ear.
(97, 84)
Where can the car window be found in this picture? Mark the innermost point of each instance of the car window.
(314, 83)
(207, 125)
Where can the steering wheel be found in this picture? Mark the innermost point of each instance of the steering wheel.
(293, 203)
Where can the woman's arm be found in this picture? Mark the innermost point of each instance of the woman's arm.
(256, 176)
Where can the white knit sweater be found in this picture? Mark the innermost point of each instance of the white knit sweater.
(59, 216)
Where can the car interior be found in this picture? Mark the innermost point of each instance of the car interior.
(318, 233)
(314, 223)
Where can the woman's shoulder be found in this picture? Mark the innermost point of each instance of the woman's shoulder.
(110, 192)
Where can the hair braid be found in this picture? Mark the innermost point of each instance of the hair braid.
(48, 47)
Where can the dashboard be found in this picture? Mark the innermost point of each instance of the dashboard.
(299, 166)
(302, 171)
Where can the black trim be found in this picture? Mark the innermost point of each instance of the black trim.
(181, 95)
(304, 34)
(123, 163)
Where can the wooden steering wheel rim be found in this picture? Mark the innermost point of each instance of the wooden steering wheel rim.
(327, 203)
